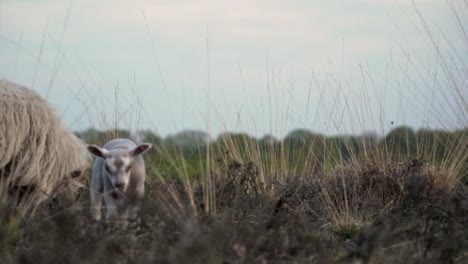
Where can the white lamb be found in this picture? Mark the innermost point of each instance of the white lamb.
(118, 175)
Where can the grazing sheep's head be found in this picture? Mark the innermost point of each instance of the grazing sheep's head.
(77, 180)
(25, 198)
(118, 163)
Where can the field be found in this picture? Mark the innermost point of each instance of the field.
(307, 198)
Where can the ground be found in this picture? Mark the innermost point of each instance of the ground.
(398, 212)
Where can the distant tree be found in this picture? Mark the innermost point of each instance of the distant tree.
(340, 147)
(91, 136)
(439, 145)
(303, 138)
(431, 144)
(238, 145)
(356, 145)
(369, 138)
(267, 141)
(149, 137)
(401, 142)
(187, 140)
(97, 137)
(239, 139)
(118, 133)
(302, 146)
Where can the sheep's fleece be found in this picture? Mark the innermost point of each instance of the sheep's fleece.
(37, 150)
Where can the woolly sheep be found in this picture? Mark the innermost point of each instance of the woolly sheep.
(118, 175)
(38, 152)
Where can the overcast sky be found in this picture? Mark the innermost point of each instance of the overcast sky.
(262, 67)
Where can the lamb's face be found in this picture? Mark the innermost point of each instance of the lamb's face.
(118, 168)
(118, 163)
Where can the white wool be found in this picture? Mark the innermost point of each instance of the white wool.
(36, 149)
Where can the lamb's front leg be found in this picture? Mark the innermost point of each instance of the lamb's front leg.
(135, 203)
(134, 211)
(96, 201)
(111, 206)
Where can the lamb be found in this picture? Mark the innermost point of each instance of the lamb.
(38, 153)
(118, 175)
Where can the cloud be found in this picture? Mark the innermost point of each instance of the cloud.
(268, 25)
(401, 3)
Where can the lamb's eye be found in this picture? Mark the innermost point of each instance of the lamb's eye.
(128, 168)
(107, 168)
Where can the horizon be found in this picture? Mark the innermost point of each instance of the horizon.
(265, 68)
(137, 136)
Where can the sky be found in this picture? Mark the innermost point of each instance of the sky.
(260, 67)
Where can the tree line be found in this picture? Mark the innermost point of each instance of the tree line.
(299, 149)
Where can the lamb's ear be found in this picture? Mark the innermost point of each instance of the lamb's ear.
(97, 151)
(140, 149)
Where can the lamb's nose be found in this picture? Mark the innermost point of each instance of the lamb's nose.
(119, 186)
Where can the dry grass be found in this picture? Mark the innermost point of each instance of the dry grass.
(390, 212)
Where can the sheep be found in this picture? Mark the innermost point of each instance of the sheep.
(38, 153)
(118, 175)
